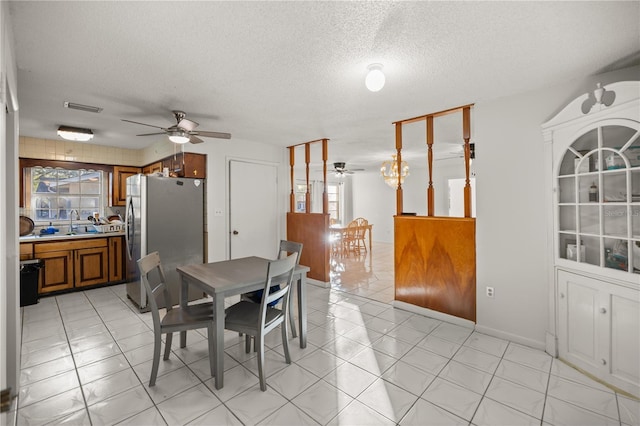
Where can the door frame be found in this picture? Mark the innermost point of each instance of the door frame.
(279, 203)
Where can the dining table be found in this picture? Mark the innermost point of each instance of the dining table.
(230, 278)
(339, 229)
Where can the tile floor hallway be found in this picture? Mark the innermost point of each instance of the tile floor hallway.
(86, 359)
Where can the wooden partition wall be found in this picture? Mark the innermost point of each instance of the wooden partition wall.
(435, 257)
(310, 229)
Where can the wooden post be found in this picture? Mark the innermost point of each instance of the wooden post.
(399, 201)
(325, 195)
(307, 159)
(430, 189)
(292, 196)
(466, 134)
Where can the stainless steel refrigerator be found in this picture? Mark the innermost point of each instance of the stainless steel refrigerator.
(165, 215)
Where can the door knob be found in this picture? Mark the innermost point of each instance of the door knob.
(235, 232)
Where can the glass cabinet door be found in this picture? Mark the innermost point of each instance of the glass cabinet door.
(599, 199)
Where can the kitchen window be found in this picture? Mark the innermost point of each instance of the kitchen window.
(53, 194)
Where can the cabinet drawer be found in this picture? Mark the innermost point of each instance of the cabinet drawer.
(69, 245)
(26, 251)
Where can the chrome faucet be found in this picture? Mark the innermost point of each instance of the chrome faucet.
(71, 219)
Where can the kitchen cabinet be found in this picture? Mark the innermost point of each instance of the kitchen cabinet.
(152, 168)
(120, 175)
(57, 268)
(593, 198)
(91, 265)
(194, 165)
(79, 263)
(26, 251)
(186, 164)
(116, 259)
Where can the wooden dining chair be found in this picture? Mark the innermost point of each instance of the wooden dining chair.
(256, 320)
(176, 319)
(284, 249)
(360, 233)
(350, 239)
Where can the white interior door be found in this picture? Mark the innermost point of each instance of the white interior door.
(253, 209)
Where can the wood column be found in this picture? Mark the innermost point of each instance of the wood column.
(325, 195)
(466, 134)
(307, 160)
(292, 195)
(399, 199)
(430, 189)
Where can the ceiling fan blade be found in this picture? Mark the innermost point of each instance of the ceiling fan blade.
(137, 122)
(151, 134)
(195, 139)
(218, 135)
(187, 125)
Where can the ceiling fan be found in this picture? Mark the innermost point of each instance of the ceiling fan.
(183, 131)
(340, 169)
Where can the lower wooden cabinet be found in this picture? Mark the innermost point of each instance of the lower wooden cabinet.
(91, 266)
(78, 263)
(57, 271)
(116, 259)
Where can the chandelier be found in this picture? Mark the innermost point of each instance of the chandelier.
(389, 172)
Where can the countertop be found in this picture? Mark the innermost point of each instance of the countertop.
(63, 236)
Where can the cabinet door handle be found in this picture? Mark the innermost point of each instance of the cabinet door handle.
(604, 361)
(603, 310)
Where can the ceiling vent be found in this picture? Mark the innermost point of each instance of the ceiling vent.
(80, 107)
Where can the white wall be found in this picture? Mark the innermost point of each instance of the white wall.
(219, 152)
(10, 340)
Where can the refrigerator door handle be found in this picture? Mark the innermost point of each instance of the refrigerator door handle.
(129, 235)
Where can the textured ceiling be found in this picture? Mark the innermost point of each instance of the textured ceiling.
(289, 72)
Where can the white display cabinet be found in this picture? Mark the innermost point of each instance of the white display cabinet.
(593, 156)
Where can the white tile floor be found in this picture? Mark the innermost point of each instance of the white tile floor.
(87, 357)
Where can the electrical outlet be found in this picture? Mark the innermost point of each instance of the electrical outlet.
(490, 292)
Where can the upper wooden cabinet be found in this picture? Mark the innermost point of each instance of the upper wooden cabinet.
(195, 165)
(187, 164)
(120, 175)
(152, 168)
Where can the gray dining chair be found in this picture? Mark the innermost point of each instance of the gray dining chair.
(176, 319)
(256, 320)
(284, 249)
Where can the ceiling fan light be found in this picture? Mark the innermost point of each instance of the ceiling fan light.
(75, 133)
(178, 136)
(375, 78)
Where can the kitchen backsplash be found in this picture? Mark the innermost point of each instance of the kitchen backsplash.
(49, 149)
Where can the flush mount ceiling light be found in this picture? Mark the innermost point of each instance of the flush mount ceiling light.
(375, 78)
(178, 136)
(75, 134)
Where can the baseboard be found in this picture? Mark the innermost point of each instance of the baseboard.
(470, 324)
(433, 314)
(318, 283)
(536, 344)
